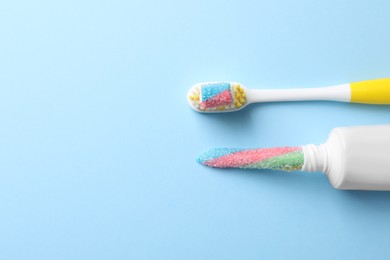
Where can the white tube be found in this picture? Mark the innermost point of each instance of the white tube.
(354, 158)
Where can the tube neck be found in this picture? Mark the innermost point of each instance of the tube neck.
(316, 158)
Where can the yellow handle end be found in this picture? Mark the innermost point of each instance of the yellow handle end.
(375, 91)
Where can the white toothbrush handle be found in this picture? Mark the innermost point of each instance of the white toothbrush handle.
(333, 93)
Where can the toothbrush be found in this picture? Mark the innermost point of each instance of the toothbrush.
(212, 97)
(353, 158)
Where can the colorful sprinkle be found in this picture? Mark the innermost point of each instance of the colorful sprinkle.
(211, 90)
(218, 96)
(215, 94)
(280, 158)
(221, 99)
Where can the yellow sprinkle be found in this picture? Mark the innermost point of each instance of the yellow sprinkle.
(221, 108)
(243, 95)
(238, 85)
(238, 95)
(192, 98)
(196, 97)
(241, 90)
(242, 100)
(238, 104)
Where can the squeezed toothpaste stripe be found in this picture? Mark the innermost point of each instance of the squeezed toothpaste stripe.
(221, 99)
(216, 153)
(243, 158)
(213, 89)
(292, 161)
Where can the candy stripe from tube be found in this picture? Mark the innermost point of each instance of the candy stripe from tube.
(280, 158)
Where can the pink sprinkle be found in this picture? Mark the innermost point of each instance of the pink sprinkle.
(242, 158)
(223, 98)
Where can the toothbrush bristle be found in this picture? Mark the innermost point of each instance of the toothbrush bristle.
(217, 96)
(280, 158)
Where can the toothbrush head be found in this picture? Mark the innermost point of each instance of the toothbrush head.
(279, 158)
(215, 97)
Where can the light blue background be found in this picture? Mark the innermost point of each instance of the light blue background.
(98, 145)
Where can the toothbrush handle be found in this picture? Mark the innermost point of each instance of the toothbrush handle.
(334, 93)
(375, 91)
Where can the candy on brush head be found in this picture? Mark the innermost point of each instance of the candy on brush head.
(217, 97)
(280, 158)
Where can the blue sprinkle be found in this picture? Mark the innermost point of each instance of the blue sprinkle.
(215, 153)
(210, 90)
